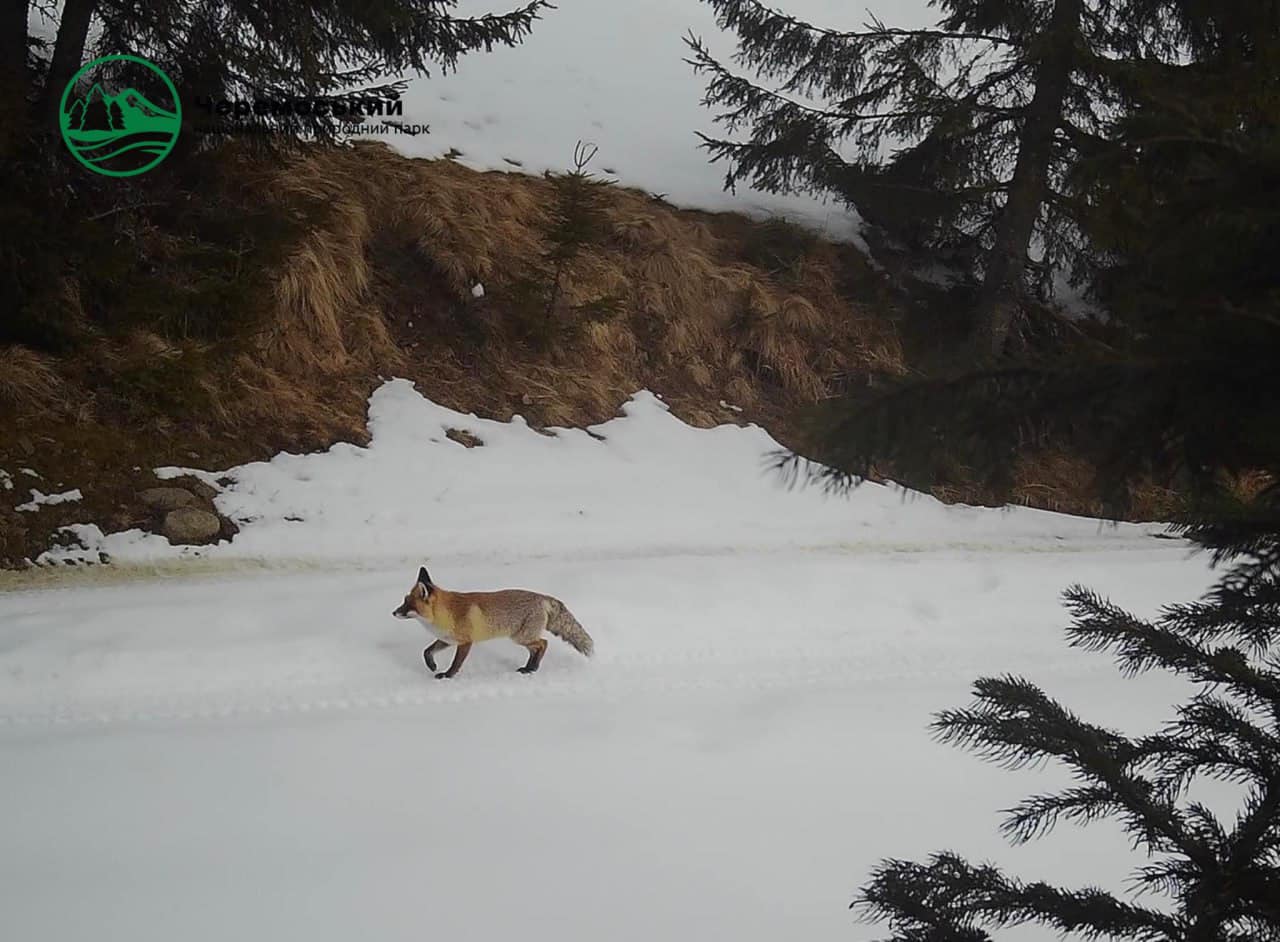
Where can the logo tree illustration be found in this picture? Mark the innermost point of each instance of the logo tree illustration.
(96, 115)
(75, 116)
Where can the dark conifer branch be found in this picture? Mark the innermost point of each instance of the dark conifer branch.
(242, 48)
(1057, 72)
(766, 17)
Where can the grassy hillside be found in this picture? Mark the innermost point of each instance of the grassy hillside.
(251, 305)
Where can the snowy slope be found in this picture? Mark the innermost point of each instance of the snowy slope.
(612, 72)
(644, 483)
(262, 754)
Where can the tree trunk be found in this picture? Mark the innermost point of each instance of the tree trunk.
(68, 54)
(1007, 260)
(13, 39)
(15, 87)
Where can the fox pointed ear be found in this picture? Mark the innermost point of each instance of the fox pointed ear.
(423, 577)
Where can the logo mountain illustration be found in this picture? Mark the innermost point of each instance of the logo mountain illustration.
(118, 133)
(128, 111)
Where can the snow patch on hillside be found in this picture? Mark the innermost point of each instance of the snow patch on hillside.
(645, 481)
(40, 499)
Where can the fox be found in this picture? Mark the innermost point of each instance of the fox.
(461, 619)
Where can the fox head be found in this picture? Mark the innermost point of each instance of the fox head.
(415, 603)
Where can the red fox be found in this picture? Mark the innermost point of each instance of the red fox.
(464, 618)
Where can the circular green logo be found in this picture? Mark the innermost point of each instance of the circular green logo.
(120, 115)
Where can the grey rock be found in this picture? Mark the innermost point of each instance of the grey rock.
(165, 499)
(190, 525)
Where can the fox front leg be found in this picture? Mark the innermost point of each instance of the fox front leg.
(429, 654)
(459, 655)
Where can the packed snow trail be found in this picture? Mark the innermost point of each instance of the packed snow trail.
(266, 756)
(245, 754)
(287, 643)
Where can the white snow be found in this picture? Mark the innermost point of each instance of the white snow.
(261, 754)
(40, 499)
(477, 291)
(666, 485)
(612, 72)
(87, 543)
(6, 480)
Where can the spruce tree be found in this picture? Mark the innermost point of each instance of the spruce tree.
(1206, 877)
(75, 115)
(248, 49)
(958, 136)
(1182, 212)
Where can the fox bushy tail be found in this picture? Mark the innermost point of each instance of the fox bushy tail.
(562, 624)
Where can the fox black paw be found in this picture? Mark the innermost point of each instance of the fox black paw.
(443, 675)
(526, 670)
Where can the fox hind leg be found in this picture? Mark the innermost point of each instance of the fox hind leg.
(459, 655)
(536, 650)
(429, 654)
(530, 637)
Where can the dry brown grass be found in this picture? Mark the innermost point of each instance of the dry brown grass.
(31, 381)
(381, 285)
(1247, 485)
(694, 322)
(1064, 483)
(1054, 481)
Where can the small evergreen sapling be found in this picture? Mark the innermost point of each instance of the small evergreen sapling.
(579, 221)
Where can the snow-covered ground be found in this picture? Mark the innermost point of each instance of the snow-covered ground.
(642, 484)
(259, 753)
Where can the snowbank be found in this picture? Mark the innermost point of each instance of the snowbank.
(642, 483)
